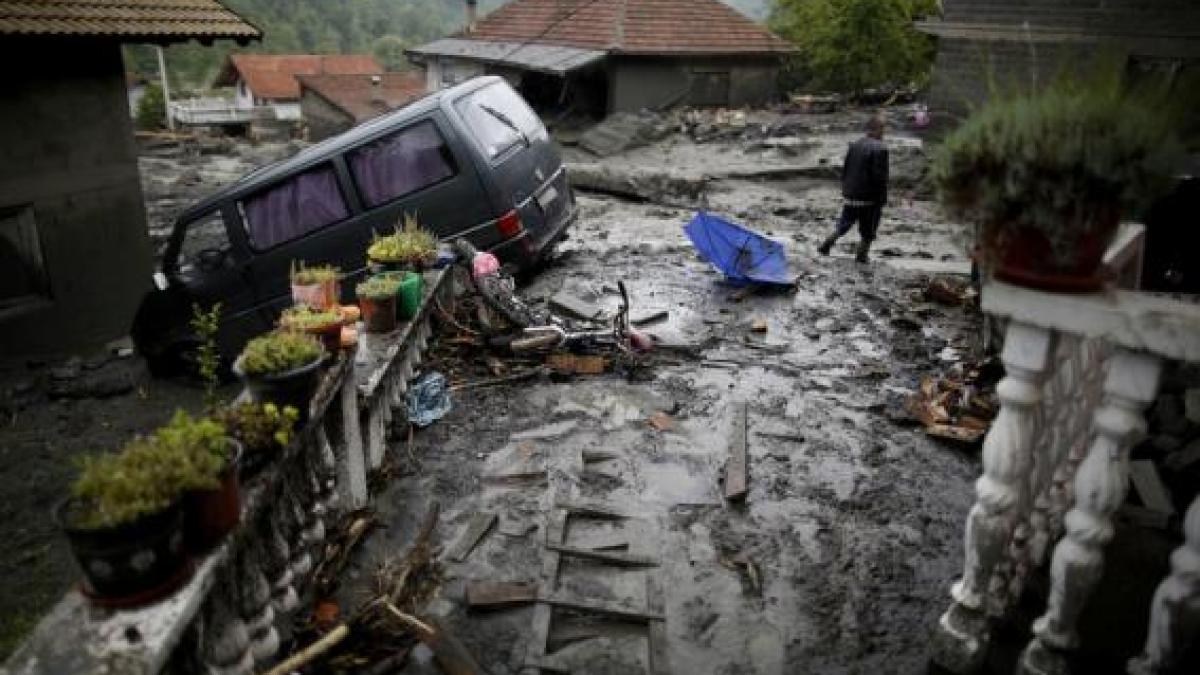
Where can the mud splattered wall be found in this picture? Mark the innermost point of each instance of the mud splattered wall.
(655, 83)
(68, 167)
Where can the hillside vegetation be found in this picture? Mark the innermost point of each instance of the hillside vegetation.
(384, 28)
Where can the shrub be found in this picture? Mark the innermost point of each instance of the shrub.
(305, 318)
(308, 276)
(378, 288)
(279, 352)
(1070, 157)
(409, 243)
(260, 427)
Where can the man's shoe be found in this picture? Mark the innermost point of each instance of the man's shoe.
(824, 248)
(861, 257)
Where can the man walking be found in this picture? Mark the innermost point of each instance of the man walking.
(864, 188)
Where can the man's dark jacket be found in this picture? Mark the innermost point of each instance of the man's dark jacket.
(865, 171)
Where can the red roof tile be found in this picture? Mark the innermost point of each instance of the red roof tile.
(631, 26)
(360, 97)
(165, 20)
(273, 76)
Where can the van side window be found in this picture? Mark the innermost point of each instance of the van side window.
(205, 243)
(294, 208)
(401, 163)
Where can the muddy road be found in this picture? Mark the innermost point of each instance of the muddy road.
(852, 524)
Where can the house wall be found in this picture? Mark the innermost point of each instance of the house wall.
(321, 117)
(443, 71)
(242, 96)
(644, 82)
(78, 173)
(1164, 32)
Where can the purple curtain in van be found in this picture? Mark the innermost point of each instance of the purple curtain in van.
(294, 208)
(401, 163)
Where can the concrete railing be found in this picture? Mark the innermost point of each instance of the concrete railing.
(232, 615)
(217, 111)
(1080, 371)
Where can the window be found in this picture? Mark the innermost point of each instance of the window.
(205, 244)
(292, 209)
(23, 278)
(401, 163)
(499, 119)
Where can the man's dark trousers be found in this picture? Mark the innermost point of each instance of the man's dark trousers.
(867, 216)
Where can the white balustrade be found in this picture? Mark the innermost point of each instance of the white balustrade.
(1081, 369)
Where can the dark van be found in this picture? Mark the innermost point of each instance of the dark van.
(472, 161)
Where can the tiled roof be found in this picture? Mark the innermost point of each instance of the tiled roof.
(360, 97)
(273, 76)
(664, 27)
(165, 20)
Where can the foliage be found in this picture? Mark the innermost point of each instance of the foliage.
(377, 288)
(1066, 158)
(151, 111)
(279, 352)
(308, 276)
(261, 427)
(208, 358)
(305, 318)
(149, 474)
(389, 52)
(409, 243)
(853, 45)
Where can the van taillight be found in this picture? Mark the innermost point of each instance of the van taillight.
(510, 225)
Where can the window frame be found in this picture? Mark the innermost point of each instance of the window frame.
(239, 206)
(453, 161)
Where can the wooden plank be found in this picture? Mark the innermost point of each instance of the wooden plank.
(656, 631)
(612, 558)
(736, 480)
(500, 593)
(602, 607)
(1150, 487)
(476, 529)
(556, 531)
(591, 509)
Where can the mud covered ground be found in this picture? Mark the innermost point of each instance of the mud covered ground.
(852, 523)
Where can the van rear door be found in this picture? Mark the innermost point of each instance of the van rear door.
(525, 162)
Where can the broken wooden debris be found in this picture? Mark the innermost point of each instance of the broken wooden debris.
(483, 594)
(449, 652)
(521, 478)
(590, 455)
(794, 438)
(556, 530)
(959, 408)
(611, 558)
(758, 325)
(338, 550)
(949, 291)
(1149, 486)
(311, 652)
(650, 317)
(577, 364)
(744, 564)
(591, 509)
(656, 630)
(661, 421)
(567, 304)
(516, 377)
(478, 526)
(736, 480)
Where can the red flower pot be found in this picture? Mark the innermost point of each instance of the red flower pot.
(379, 314)
(209, 515)
(1024, 255)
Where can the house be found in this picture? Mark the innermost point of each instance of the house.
(605, 56)
(331, 104)
(74, 251)
(1025, 41)
(270, 80)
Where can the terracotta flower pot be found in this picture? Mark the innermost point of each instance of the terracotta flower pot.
(379, 314)
(130, 564)
(209, 515)
(1025, 256)
(323, 295)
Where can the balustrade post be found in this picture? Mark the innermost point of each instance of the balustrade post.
(376, 432)
(255, 604)
(327, 468)
(1175, 610)
(962, 636)
(225, 646)
(352, 470)
(1100, 486)
(277, 565)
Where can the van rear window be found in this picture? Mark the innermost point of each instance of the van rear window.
(294, 208)
(401, 163)
(499, 118)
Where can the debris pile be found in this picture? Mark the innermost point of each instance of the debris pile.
(959, 406)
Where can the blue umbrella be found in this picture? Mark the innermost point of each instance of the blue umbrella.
(742, 255)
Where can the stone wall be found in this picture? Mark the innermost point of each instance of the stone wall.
(69, 164)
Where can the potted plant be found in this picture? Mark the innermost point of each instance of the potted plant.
(263, 429)
(212, 503)
(324, 324)
(1048, 175)
(316, 287)
(410, 247)
(282, 368)
(377, 298)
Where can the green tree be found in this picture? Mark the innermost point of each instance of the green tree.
(151, 108)
(389, 51)
(852, 45)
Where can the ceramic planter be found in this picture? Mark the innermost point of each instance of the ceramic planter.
(209, 515)
(1025, 256)
(130, 564)
(294, 387)
(378, 313)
